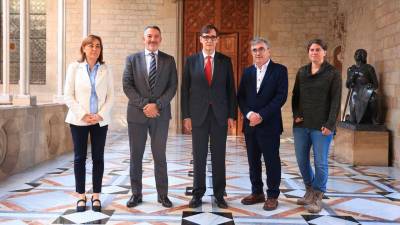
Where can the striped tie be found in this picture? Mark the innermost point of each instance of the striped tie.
(152, 72)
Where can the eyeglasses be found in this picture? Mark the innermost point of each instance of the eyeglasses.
(209, 38)
(260, 50)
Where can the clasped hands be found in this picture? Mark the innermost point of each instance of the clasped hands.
(151, 110)
(91, 118)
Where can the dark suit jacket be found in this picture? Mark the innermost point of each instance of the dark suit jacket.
(197, 95)
(268, 101)
(136, 86)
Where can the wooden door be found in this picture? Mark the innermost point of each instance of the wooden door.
(234, 19)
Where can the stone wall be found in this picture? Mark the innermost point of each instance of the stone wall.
(31, 135)
(120, 23)
(289, 25)
(375, 26)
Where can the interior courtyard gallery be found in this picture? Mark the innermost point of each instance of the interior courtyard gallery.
(40, 38)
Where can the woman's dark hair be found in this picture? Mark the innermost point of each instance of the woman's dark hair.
(319, 42)
(88, 40)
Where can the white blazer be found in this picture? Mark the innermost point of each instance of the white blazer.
(77, 93)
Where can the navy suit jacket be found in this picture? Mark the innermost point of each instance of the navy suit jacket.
(269, 99)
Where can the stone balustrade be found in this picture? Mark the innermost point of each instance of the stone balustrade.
(30, 135)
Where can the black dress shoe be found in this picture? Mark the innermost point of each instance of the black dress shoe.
(96, 208)
(164, 200)
(221, 203)
(81, 208)
(195, 202)
(134, 201)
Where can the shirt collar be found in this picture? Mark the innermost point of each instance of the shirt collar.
(205, 55)
(95, 65)
(147, 52)
(263, 67)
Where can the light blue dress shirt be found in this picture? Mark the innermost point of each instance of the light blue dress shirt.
(93, 96)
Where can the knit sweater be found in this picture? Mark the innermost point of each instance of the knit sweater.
(316, 98)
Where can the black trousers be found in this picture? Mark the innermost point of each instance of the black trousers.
(259, 144)
(98, 140)
(211, 131)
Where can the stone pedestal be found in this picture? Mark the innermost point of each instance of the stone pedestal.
(362, 145)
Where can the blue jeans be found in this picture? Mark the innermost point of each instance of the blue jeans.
(304, 138)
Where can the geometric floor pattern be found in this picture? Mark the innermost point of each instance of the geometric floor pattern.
(45, 194)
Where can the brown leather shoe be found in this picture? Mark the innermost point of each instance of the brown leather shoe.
(253, 199)
(271, 204)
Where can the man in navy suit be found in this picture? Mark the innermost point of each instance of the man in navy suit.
(262, 92)
(208, 108)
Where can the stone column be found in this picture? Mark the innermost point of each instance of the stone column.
(23, 98)
(176, 122)
(5, 97)
(86, 18)
(257, 17)
(60, 51)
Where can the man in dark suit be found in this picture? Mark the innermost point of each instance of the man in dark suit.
(149, 82)
(262, 92)
(208, 108)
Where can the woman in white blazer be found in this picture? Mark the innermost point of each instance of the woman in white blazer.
(89, 95)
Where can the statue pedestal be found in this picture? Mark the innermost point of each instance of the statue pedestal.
(362, 145)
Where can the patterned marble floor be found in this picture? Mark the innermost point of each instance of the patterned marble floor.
(45, 194)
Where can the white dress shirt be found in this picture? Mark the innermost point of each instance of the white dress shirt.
(260, 76)
(148, 59)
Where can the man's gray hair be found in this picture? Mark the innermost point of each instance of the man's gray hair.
(258, 40)
(151, 27)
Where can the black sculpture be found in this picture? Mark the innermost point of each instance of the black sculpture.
(362, 83)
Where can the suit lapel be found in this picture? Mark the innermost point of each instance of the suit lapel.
(267, 75)
(143, 69)
(217, 63)
(100, 74)
(160, 66)
(84, 73)
(253, 79)
(200, 59)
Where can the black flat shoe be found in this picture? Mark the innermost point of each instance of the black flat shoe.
(81, 208)
(134, 201)
(164, 200)
(195, 202)
(96, 208)
(221, 203)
